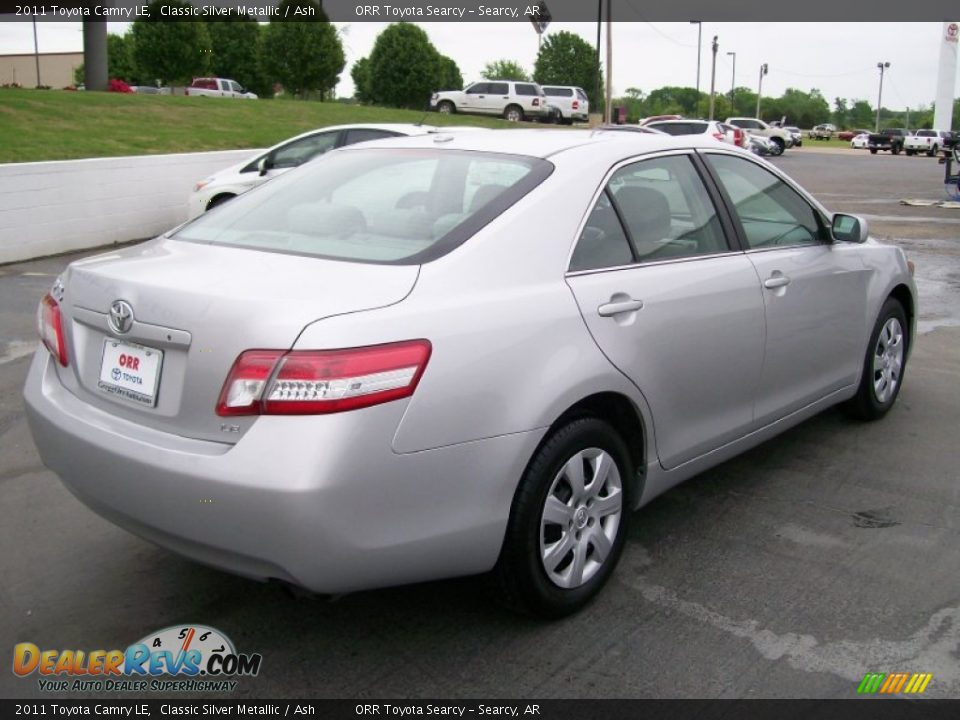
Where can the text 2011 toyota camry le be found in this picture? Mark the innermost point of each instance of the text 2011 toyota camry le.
(453, 354)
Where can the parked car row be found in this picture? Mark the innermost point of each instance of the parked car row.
(516, 101)
(446, 354)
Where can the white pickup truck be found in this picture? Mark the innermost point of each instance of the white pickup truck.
(925, 141)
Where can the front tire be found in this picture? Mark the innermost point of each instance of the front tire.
(568, 521)
(779, 144)
(884, 364)
(446, 107)
(873, 151)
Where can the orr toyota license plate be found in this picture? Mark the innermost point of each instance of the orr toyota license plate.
(130, 371)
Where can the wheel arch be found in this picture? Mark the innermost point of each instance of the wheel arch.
(624, 416)
(904, 296)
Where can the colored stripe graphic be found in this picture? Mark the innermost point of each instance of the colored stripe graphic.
(894, 683)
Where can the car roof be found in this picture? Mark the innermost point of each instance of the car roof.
(605, 145)
(678, 122)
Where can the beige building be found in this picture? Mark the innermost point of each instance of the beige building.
(56, 69)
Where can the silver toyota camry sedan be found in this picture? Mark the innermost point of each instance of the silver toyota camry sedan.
(456, 354)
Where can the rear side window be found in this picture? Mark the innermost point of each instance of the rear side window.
(498, 88)
(360, 135)
(558, 92)
(388, 206)
(659, 208)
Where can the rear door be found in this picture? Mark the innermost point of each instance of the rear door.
(814, 291)
(496, 99)
(671, 304)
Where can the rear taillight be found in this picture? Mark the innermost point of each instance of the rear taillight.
(309, 382)
(536, 102)
(738, 137)
(50, 328)
(576, 105)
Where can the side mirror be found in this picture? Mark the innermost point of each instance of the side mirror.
(849, 228)
(264, 165)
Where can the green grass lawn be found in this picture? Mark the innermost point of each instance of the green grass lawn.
(59, 125)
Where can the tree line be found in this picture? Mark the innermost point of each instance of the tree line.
(306, 57)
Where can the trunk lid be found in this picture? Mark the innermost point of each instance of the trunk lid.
(195, 308)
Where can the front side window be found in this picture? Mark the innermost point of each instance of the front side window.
(651, 210)
(388, 205)
(479, 88)
(771, 213)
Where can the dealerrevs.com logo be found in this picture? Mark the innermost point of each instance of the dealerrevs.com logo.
(182, 658)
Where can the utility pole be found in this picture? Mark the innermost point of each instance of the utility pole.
(36, 50)
(608, 110)
(763, 71)
(733, 79)
(596, 93)
(713, 75)
(883, 66)
(699, 38)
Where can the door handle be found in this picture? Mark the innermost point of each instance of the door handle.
(620, 306)
(776, 281)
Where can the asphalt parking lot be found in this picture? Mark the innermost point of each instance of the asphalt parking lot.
(790, 571)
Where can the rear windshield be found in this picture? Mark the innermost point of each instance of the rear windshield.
(926, 133)
(388, 206)
(680, 128)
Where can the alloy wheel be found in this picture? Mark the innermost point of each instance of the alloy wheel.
(888, 360)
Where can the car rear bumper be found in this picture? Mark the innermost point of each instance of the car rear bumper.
(318, 501)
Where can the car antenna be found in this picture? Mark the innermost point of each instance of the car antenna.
(420, 121)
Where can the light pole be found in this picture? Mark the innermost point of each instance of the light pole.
(713, 75)
(36, 50)
(733, 78)
(699, 38)
(763, 71)
(883, 66)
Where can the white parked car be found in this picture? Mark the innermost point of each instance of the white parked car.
(237, 179)
(860, 142)
(510, 99)
(218, 87)
(571, 102)
(781, 138)
(687, 126)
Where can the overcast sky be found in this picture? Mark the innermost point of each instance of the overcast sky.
(840, 59)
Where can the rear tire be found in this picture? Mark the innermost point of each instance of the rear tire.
(933, 151)
(883, 365)
(513, 113)
(779, 144)
(910, 152)
(895, 149)
(568, 521)
(873, 151)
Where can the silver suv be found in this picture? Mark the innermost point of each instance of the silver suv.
(512, 100)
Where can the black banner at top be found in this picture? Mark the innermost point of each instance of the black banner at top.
(853, 11)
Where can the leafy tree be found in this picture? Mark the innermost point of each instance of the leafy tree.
(235, 52)
(449, 77)
(861, 114)
(504, 70)
(568, 59)
(302, 50)
(171, 52)
(672, 100)
(840, 112)
(360, 73)
(404, 67)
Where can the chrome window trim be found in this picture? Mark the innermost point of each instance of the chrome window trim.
(653, 263)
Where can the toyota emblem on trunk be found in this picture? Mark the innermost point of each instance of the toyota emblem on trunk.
(121, 316)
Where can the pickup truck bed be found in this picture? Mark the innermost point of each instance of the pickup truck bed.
(889, 139)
